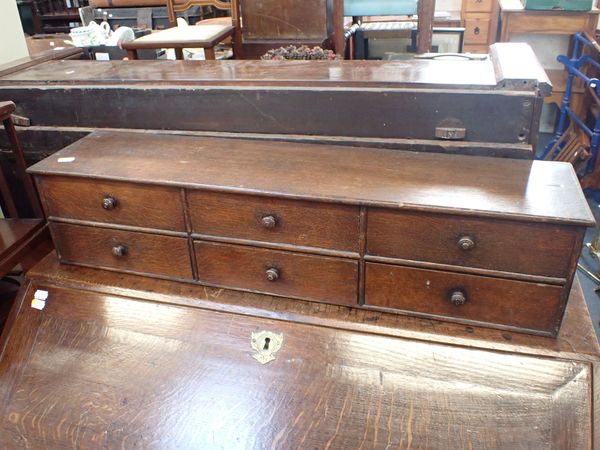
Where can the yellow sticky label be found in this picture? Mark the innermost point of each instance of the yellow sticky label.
(38, 304)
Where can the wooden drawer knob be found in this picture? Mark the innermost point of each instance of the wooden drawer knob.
(458, 297)
(272, 274)
(268, 221)
(109, 202)
(119, 251)
(466, 243)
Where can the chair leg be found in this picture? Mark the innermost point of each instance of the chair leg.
(11, 209)
(209, 53)
(30, 190)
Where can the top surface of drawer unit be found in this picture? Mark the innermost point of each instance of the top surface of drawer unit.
(517, 189)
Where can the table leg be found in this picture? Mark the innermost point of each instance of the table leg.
(132, 54)
(178, 53)
(209, 53)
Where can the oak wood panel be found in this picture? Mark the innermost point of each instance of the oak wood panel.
(488, 300)
(165, 256)
(310, 224)
(136, 205)
(521, 190)
(537, 249)
(310, 277)
(107, 371)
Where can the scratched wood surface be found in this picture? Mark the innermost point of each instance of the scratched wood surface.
(101, 370)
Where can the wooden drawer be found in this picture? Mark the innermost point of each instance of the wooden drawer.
(128, 251)
(309, 224)
(478, 5)
(517, 247)
(477, 30)
(113, 202)
(529, 306)
(321, 278)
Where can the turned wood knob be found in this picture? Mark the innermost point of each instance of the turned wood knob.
(466, 243)
(458, 298)
(268, 221)
(272, 274)
(109, 202)
(119, 251)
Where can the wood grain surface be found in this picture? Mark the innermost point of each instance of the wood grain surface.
(510, 303)
(136, 205)
(307, 224)
(320, 278)
(97, 370)
(521, 190)
(151, 254)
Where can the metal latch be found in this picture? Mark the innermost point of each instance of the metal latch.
(450, 133)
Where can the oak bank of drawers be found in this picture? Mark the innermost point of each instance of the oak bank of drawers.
(342, 245)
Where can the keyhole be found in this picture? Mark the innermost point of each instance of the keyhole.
(267, 341)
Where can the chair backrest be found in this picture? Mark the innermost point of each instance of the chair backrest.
(380, 7)
(175, 6)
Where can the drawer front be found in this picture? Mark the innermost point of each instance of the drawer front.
(165, 256)
(478, 6)
(113, 202)
(477, 30)
(488, 300)
(476, 48)
(320, 278)
(268, 219)
(518, 247)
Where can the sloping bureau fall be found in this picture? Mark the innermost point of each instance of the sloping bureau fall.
(478, 240)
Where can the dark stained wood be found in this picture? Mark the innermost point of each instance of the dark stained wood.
(501, 73)
(134, 204)
(40, 142)
(87, 353)
(266, 219)
(501, 302)
(536, 249)
(319, 278)
(144, 253)
(536, 191)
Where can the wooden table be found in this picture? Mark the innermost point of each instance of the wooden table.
(206, 37)
(129, 362)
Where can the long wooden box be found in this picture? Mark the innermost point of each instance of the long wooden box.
(121, 361)
(478, 240)
(425, 105)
